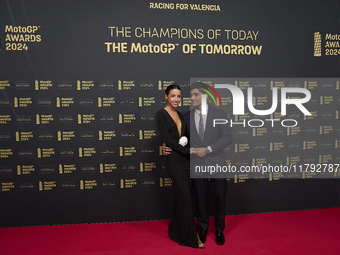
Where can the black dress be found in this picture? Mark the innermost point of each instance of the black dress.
(182, 228)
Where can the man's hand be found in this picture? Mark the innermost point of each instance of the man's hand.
(201, 152)
(166, 150)
(193, 151)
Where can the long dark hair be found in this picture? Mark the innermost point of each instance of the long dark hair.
(171, 87)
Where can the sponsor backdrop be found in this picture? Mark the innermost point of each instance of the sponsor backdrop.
(81, 81)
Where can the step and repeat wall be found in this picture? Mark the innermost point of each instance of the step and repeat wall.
(81, 82)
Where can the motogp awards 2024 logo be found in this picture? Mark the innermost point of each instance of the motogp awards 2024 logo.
(331, 44)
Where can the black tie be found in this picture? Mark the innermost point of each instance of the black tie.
(201, 128)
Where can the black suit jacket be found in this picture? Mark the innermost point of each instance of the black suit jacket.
(217, 138)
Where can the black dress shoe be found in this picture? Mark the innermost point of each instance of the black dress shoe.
(203, 235)
(219, 238)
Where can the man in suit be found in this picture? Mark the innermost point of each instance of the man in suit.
(209, 143)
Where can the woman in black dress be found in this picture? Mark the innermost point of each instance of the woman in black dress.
(171, 126)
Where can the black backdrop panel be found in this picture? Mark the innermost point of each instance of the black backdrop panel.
(81, 82)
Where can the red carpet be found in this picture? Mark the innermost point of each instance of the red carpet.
(297, 232)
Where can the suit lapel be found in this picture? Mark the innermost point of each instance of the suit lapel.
(193, 130)
(208, 125)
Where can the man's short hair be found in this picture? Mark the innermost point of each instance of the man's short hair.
(198, 85)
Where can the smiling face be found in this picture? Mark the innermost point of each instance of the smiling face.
(173, 98)
(196, 98)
